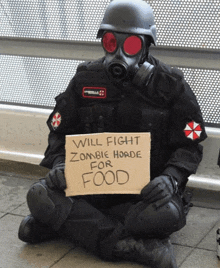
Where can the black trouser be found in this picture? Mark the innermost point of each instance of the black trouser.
(98, 222)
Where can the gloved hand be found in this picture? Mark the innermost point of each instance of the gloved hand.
(55, 178)
(160, 190)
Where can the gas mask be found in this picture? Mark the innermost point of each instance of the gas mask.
(124, 54)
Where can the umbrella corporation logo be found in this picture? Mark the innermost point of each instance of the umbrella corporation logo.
(56, 120)
(193, 130)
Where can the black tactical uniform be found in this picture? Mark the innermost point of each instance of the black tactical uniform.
(165, 107)
(158, 101)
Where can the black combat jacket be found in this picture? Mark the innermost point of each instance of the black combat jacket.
(166, 107)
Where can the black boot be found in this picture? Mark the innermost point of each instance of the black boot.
(31, 231)
(156, 253)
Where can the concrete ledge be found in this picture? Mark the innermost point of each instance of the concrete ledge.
(22, 169)
(24, 136)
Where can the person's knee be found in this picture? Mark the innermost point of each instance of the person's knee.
(160, 222)
(40, 204)
(48, 206)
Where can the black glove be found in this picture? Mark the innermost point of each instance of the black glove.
(55, 178)
(160, 190)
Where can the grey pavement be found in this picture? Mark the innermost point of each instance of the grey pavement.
(194, 245)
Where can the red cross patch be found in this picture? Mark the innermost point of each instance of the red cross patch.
(56, 120)
(94, 92)
(193, 130)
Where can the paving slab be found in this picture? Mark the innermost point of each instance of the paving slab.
(1, 214)
(79, 258)
(17, 254)
(201, 259)
(45, 254)
(13, 191)
(209, 241)
(21, 210)
(181, 253)
(200, 221)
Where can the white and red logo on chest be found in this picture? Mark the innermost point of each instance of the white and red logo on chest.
(94, 92)
(56, 120)
(193, 130)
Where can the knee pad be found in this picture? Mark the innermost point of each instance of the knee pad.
(160, 222)
(48, 206)
(40, 204)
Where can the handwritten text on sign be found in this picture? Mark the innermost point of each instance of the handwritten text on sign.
(107, 163)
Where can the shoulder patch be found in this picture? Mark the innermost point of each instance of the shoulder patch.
(56, 120)
(193, 130)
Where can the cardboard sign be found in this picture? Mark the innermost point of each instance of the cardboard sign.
(107, 163)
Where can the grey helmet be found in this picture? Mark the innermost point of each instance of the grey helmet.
(129, 16)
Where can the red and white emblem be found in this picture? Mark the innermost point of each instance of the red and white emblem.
(56, 120)
(102, 93)
(193, 130)
(94, 92)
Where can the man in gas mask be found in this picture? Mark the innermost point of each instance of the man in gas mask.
(128, 90)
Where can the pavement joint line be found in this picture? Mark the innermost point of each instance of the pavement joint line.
(57, 261)
(23, 203)
(210, 250)
(187, 255)
(197, 245)
(4, 214)
(200, 206)
(14, 214)
(192, 250)
(194, 247)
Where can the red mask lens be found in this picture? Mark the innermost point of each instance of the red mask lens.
(132, 45)
(109, 42)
